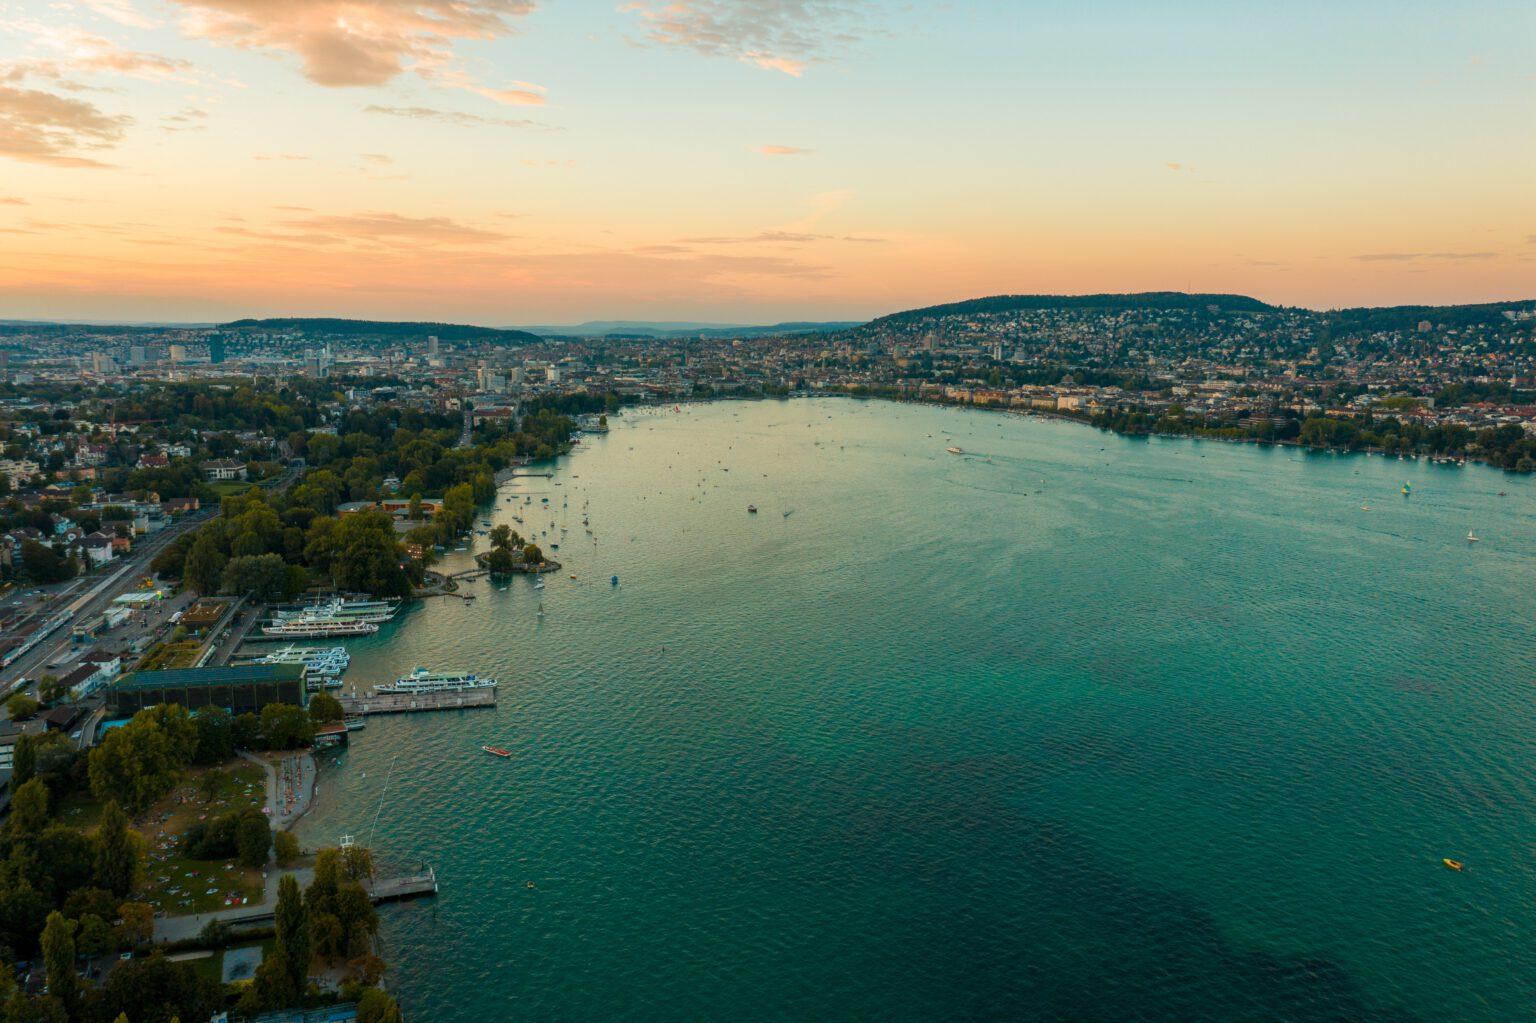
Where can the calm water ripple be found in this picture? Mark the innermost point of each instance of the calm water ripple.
(1073, 727)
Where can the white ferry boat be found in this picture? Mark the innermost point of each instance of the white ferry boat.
(423, 681)
(376, 611)
(319, 628)
(323, 661)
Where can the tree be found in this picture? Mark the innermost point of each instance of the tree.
(413, 511)
(501, 536)
(24, 760)
(153, 988)
(204, 567)
(284, 726)
(293, 932)
(215, 735)
(323, 707)
(59, 957)
(532, 555)
(95, 937)
(29, 809)
(246, 731)
(20, 707)
(374, 1006)
(253, 838)
(261, 576)
(136, 924)
(139, 762)
(45, 565)
(286, 847)
(270, 988)
(118, 855)
(500, 561)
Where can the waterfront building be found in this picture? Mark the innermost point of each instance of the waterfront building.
(243, 689)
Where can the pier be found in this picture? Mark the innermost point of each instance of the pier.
(410, 703)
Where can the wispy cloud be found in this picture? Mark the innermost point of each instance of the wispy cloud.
(41, 127)
(121, 11)
(778, 35)
(393, 227)
(188, 119)
(11, 200)
(782, 150)
(365, 42)
(290, 157)
(62, 51)
(779, 238)
(377, 159)
(1409, 257)
(451, 117)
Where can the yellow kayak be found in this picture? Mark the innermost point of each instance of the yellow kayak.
(1454, 864)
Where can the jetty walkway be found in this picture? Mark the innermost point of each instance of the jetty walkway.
(410, 703)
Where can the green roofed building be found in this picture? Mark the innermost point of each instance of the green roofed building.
(248, 687)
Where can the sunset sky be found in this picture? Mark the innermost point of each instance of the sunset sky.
(552, 161)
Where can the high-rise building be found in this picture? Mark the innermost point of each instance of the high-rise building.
(102, 363)
(432, 348)
(138, 355)
(178, 353)
(216, 352)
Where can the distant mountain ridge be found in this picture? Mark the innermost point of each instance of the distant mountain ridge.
(1023, 303)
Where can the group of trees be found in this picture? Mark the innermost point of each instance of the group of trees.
(141, 761)
(244, 835)
(509, 550)
(333, 921)
(1507, 447)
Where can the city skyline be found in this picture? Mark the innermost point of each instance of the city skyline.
(504, 162)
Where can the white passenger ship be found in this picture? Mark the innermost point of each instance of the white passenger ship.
(423, 681)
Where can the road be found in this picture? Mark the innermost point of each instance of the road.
(122, 575)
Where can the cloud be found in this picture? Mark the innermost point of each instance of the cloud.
(40, 127)
(782, 150)
(393, 227)
(364, 42)
(450, 117)
(1407, 257)
(776, 35)
(279, 156)
(779, 238)
(189, 119)
(67, 50)
(377, 159)
(121, 11)
(1179, 167)
(11, 200)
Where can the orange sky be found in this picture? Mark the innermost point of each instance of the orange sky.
(500, 161)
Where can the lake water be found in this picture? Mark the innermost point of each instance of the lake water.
(1070, 727)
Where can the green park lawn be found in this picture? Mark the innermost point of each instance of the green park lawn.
(172, 882)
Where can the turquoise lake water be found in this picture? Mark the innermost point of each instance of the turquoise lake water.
(1070, 727)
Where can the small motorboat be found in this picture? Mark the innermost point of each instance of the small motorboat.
(497, 751)
(1455, 865)
(751, 509)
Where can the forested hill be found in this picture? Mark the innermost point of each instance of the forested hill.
(385, 328)
(1149, 300)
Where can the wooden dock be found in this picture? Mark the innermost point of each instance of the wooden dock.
(409, 703)
(410, 886)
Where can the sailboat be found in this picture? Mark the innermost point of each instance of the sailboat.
(1472, 537)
